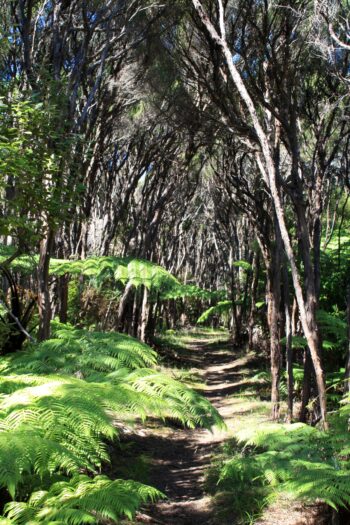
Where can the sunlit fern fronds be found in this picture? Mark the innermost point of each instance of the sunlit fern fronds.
(54, 424)
(113, 269)
(82, 352)
(24, 264)
(62, 421)
(122, 269)
(138, 272)
(98, 268)
(184, 403)
(141, 272)
(82, 500)
(295, 459)
(223, 307)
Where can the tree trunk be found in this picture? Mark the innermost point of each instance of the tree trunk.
(273, 318)
(267, 168)
(44, 305)
(145, 310)
(289, 349)
(122, 305)
(63, 298)
(135, 314)
(253, 290)
(305, 398)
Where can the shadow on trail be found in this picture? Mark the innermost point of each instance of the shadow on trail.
(180, 459)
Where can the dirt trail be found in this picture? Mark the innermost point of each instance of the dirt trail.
(181, 457)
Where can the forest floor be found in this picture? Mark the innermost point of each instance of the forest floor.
(180, 460)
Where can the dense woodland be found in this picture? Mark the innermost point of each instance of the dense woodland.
(166, 166)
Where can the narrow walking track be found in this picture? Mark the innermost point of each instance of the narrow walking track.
(181, 458)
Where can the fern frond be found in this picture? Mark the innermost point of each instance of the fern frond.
(69, 419)
(75, 351)
(219, 309)
(138, 272)
(295, 459)
(82, 500)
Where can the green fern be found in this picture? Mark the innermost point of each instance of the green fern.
(332, 327)
(59, 423)
(112, 269)
(89, 354)
(138, 272)
(222, 307)
(295, 459)
(245, 265)
(82, 500)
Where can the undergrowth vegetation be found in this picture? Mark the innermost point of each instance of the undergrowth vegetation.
(268, 461)
(62, 401)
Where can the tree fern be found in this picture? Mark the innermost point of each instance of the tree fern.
(122, 270)
(82, 500)
(82, 352)
(333, 330)
(222, 307)
(138, 272)
(60, 423)
(294, 459)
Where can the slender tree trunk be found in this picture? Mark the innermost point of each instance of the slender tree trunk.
(294, 317)
(122, 305)
(44, 305)
(289, 349)
(233, 322)
(306, 393)
(135, 313)
(63, 299)
(273, 317)
(145, 310)
(152, 319)
(253, 290)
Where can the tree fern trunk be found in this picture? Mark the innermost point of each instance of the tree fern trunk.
(63, 298)
(122, 305)
(144, 316)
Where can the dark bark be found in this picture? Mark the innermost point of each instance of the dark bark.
(253, 294)
(63, 298)
(273, 319)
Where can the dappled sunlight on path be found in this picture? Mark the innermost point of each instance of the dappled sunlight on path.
(181, 457)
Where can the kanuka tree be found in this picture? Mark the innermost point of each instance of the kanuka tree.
(252, 61)
(67, 55)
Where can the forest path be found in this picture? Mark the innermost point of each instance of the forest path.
(180, 458)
